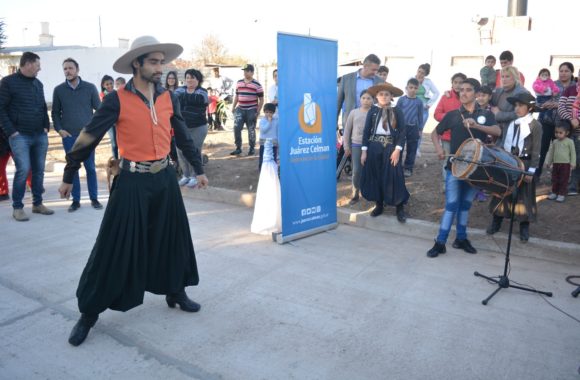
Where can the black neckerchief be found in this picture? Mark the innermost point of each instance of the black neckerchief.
(516, 135)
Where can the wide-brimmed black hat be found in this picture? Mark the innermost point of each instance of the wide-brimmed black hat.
(523, 98)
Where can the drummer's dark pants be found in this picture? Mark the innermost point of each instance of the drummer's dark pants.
(458, 198)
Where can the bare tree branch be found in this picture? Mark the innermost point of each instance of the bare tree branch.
(210, 51)
(2, 35)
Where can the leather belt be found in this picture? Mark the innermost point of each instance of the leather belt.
(144, 166)
(383, 139)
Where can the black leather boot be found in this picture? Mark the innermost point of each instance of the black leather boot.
(524, 231)
(438, 249)
(401, 217)
(465, 245)
(81, 330)
(183, 301)
(378, 210)
(495, 225)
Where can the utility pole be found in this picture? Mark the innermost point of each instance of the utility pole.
(100, 33)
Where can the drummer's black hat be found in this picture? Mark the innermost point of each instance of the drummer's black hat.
(524, 98)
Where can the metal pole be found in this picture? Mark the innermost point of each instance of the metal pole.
(100, 33)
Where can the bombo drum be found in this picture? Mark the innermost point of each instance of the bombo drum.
(487, 167)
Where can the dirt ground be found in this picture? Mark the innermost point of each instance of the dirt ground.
(556, 221)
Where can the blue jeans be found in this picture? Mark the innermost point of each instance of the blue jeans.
(28, 153)
(458, 198)
(425, 118)
(249, 118)
(412, 145)
(89, 165)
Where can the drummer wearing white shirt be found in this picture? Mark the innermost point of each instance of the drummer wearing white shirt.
(467, 121)
(523, 138)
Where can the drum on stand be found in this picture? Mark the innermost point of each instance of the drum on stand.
(487, 167)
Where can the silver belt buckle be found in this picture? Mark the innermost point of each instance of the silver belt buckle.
(132, 167)
(155, 167)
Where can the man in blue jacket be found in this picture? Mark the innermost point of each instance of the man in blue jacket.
(24, 119)
(73, 103)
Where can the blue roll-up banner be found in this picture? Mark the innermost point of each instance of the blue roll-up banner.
(307, 95)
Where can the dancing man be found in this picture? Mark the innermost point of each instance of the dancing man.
(144, 243)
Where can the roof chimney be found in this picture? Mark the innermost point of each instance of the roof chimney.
(124, 43)
(45, 39)
(517, 8)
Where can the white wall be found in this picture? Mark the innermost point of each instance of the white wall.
(94, 63)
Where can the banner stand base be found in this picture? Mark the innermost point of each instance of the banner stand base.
(281, 239)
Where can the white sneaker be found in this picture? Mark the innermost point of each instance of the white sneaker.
(192, 183)
(552, 196)
(560, 198)
(183, 181)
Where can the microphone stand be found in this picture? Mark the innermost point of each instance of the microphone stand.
(503, 282)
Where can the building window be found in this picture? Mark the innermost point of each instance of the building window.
(556, 60)
(467, 60)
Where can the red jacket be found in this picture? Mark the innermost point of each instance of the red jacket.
(212, 106)
(445, 105)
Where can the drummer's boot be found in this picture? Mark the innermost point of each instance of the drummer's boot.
(438, 249)
(524, 231)
(495, 225)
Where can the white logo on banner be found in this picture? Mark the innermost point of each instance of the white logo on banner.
(309, 110)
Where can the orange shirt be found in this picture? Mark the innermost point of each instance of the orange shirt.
(138, 138)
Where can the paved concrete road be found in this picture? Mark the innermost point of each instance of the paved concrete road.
(352, 303)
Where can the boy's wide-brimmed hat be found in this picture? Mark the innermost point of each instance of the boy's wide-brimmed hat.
(144, 45)
(524, 98)
(374, 90)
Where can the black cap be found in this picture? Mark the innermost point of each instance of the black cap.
(248, 67)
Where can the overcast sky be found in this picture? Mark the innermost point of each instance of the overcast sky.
(249, 28)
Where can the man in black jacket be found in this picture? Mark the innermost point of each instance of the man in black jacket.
(24, 119)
